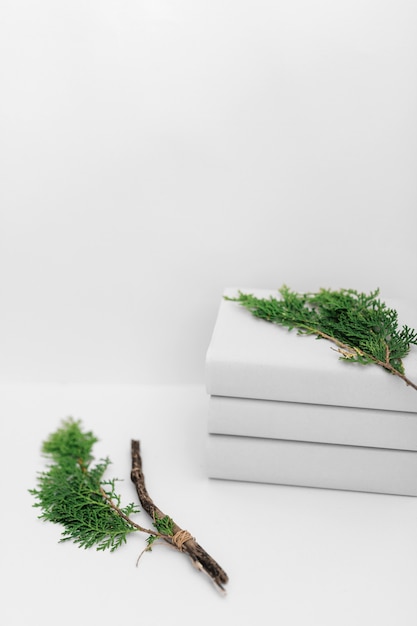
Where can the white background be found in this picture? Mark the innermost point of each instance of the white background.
(151, 154)
(155, 152)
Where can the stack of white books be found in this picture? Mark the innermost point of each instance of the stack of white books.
(285, 409)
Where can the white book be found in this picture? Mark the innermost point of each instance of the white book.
(312, 422)
(251, 358)
(305, 464)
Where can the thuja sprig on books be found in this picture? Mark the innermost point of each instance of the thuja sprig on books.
(74, 493)
(362, 327)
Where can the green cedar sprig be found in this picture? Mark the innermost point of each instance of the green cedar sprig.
(364, 329)
(72, 492)
(164, 526)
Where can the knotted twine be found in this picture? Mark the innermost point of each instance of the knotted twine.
(180, 538)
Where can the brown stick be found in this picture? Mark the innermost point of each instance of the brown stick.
(201, 560)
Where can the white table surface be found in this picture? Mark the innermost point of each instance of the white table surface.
(293, 555)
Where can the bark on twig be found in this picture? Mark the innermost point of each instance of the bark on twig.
(200, 559)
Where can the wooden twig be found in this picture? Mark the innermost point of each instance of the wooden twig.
(181, 539)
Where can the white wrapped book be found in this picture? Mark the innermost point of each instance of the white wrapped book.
(250, 358)
(293, 421)
(300, 463)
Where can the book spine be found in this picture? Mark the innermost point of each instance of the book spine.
(360, 387)
(312, 422)
(304, 464)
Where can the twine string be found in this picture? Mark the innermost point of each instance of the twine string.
(180, 538)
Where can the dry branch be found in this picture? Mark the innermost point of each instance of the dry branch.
(181, 539)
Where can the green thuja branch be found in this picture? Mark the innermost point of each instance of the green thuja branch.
(363, 328)
(73, 493)
(164, 525)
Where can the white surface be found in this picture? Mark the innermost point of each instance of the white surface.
(154, 151)
(307, 464)
(250, 358)
(312, 422)
(299, 556)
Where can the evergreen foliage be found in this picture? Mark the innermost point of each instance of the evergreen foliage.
(361, 325)
(165, 526)
(73, 492)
